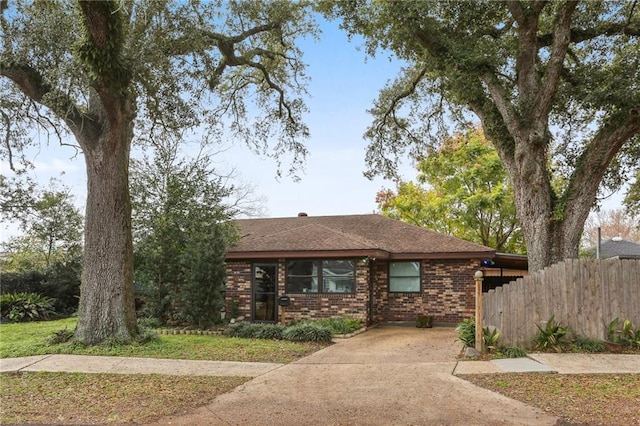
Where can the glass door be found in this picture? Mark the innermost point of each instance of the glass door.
(265, 287)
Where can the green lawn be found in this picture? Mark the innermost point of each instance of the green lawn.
(26, 339)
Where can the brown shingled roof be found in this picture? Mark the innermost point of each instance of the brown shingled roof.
(357, 235)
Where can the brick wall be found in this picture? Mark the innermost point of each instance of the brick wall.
(238, 289)
(447, 294)
(303, 305)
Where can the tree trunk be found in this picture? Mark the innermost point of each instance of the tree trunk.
(107, 308)
(552, 231)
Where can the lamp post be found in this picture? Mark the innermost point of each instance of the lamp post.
(478, 277)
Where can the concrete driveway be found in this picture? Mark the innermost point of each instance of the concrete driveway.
(386, 376)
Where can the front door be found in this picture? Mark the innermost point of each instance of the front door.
(265, 286)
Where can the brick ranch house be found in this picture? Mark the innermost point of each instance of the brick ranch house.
(368, 267)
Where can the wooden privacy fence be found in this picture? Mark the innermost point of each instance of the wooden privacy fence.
(585, 295)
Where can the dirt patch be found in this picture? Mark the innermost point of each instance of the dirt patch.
(64, 398)
(578, 399)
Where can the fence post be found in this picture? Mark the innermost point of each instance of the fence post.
(478, 276)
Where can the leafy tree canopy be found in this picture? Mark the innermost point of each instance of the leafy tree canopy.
(50, 222)
(466, 194)
(113, 73)
(555, 86)
(182, 229)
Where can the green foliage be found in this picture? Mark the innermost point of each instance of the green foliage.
(182, 230)
(490, 337)
(149, 322)
(552, 336)
(625, 334)
(466, 194)
(577, 98)
(339, 325)
(307, 332)
(510, 352)
(60, 336)
(249, 330)
(22, 307)
(583, 344)
(59, 281)
(467, 332)
(424, 321)
(52, 230)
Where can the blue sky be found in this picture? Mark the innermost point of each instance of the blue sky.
(343, 86)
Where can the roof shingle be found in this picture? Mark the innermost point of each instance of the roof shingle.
(348, 233)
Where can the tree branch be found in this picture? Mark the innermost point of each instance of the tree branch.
(561, 40)
(631, 28)
(34, 87)
(596, 158)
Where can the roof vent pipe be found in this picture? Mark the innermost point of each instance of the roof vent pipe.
(302, 214)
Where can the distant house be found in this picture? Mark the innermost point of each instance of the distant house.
(368, 267)
(616, 247)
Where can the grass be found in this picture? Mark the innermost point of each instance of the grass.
(27, 339)
(581, 399)
(73, 398)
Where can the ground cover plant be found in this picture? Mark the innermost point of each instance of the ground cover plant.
(63, 398)
(580, 399)
(26, 339)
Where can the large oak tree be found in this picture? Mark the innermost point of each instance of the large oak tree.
(112, 73)
(555, 85)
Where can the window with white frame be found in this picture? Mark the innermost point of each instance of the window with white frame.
(321, 276)
(404, 277)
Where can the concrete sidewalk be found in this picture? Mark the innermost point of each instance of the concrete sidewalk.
(555, 363)
(388, 375)
(122, 365)
(536, 362)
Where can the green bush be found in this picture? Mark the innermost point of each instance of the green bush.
(22, 307)
(339, 325)
(584, 344)
(490, 337)
(307, 332)
(510, 352)
(239, 329)
(552, 336)
(248, 330)
(467, 332)
(269, 331)
(149, 322)
(625, 334)
(59, 282)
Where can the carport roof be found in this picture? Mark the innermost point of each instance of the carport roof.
(351, 235)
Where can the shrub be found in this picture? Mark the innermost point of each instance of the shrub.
(625, 334)
(424, 321)
(490, 337)
(149, 322)
(467, 332)
(307, 332)
(584, 344)
(551, 336)
(268, 331)
(339, 325)
(510, 352)
(239, 329)
(22, 307)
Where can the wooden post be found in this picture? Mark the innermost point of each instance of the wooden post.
(479, 340)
